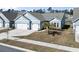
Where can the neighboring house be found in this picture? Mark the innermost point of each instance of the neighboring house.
(56, 19)
(10, 16)
(4, 22)
(76, 23)
(22, 23)
(36, 20)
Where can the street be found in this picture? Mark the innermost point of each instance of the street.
(8, 49)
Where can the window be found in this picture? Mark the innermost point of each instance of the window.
(54, 24)
(57, 24)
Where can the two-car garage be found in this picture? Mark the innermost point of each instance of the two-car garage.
(25, 24)
(22, 26)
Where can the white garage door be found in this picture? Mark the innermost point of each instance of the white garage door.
(77, 34)
(35, 26)
(22, 26)
(1, 25)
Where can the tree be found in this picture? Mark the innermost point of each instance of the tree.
(1, 10)
(51, 26)
(46, 25)
(50, 9)
(34, 10)
(9, 10)
(71, 12)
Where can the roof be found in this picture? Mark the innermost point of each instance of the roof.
(75, 14)
(50, 16)
(39, 16)
(12, 15)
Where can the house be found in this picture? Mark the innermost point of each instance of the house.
(56, 19)
(36, 19)
(4, 22)
(76, 23)
(23, 23)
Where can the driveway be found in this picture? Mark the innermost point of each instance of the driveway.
(8, 49)
(15, 32)
(19, 32)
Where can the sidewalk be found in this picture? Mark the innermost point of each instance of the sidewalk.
(61, 47)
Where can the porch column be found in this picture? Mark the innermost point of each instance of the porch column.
(30, 25)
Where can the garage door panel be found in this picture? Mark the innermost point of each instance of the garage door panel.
(22, 26)
(35, 26)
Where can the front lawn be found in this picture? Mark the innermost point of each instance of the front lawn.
(31, 46)
(66, 38)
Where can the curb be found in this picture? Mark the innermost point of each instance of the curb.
(23, 49)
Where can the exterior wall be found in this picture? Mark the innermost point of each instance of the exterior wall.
(76, 30)
(56, 21)
(22, 20)
(33, 19)
(6, 24)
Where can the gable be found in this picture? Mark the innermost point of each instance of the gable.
(22, 19)
(32, 18)
(55, 20)
(49, 16)
(3, 17)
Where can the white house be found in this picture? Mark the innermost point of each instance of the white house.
(4, 22)
(22, 23)
(57, 19)
(76, 23)
(36, 20)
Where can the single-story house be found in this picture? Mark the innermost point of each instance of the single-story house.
(56, 19)
(36, 20)
(4, 22)
(76, 23)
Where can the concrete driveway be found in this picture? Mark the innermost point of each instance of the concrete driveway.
(15, 32)
(19, 32)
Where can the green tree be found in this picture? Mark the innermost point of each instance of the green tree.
(46, 25)
(71, 12)
(51, 26)
(50, 9)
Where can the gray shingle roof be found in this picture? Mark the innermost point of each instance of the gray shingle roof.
(39, 16)
(50, 16)
(10, 15)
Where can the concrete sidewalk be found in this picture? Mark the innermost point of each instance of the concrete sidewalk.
(61, 47)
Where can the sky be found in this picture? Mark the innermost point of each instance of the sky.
(31, 8)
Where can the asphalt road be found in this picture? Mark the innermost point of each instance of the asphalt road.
(8, 49)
